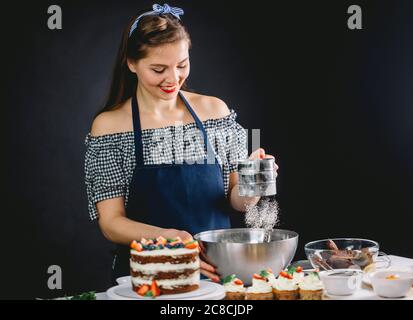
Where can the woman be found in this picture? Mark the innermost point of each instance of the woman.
(144, 176)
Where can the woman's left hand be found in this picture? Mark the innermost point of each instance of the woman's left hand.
(209, 271)
(260, 154)
(206, 266)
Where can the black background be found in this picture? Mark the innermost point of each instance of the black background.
(333, 105)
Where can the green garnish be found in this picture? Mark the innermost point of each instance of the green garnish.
(148, 294)
(170, 240)
(291, 270)
(84, 296)
(315, 274)
(228, 278)
(264, 273)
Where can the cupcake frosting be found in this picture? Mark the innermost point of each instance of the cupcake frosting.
(233, 284)
(271, 279)
(311, 282)
(298, 277)
(260, 286)
(285, 284)
(233, 287)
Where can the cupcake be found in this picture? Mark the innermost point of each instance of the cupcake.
(234, 288)
(297, 272)
(285, 287)
(260, 289)
(269, 275)
(311, 287)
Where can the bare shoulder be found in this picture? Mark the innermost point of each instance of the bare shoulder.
(207, 107)
(114, 121)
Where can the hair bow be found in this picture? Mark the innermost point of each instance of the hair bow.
(175, 11)
(158, 9)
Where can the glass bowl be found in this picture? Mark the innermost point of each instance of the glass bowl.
(345, 253)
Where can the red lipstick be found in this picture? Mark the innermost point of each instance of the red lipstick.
(169, 90)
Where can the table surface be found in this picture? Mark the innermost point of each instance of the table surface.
(365, 293)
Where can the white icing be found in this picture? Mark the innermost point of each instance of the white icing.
(232, 287)
(311, 282)
(284, 284)
(166, 266)
(298, 276)
(259, 286)
(170, 283)
(271, 279)
(164, 252)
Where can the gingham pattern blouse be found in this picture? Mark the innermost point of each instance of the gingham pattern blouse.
(110, 159)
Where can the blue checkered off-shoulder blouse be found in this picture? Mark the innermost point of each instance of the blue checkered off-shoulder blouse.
(110, 159)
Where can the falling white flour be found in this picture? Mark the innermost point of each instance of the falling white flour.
(263, 215)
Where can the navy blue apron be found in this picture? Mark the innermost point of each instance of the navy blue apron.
(186, 196)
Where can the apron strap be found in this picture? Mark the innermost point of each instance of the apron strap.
(137, 132)
(210, 159)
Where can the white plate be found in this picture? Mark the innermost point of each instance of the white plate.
(122, 280)
(207, 291)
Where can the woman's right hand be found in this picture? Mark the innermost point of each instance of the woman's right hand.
(173, 233)
(206, 269)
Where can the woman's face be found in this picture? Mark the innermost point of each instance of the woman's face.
(164, 69)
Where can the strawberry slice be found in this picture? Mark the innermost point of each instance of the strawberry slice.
(142, 290)
(136, 246)
(284, 274)
(192, 245)
(133, 244)
(155, 289)
(238, 282)
(299, 269)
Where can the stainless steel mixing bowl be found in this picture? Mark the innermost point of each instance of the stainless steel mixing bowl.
(243, 251)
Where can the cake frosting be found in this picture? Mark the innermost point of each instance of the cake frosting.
(271, 278)
(285, 284)
(311, 282)
(233, 284)
(171, 265)
(298, 277)
(259, 285)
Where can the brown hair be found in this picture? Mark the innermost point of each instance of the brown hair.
(152, 31)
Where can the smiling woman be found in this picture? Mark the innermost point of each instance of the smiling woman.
(145, 33)
(162, 79)
(161, 161)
